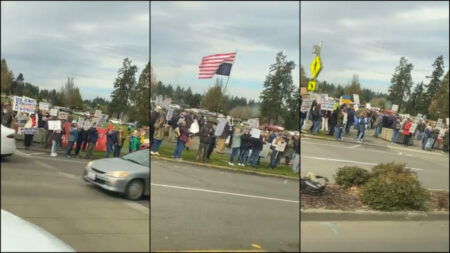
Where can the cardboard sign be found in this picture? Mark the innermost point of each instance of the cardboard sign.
(53, 112)
(169, 114)
(356, 99)
(266, 149)
(280, 146)
(327, 105)
(24, 104)
(28, 130)
(255, 133)
(63, 115)
(98, 113)
(195, 128)
(220, 126)
(44, 106)
(395, 107)
(54, 125)
(306, 104)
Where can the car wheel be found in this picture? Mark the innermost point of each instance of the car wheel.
(134, 190)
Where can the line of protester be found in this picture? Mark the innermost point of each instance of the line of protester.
(244, 149)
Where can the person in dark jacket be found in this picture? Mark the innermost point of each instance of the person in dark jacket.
(245, 147)
(205, 140)
(73, 136)
(92, 137)
(316, 118)
(80, 140)
(332, 122)
(111, 139)
(56, 140)
(257, 146)
(350, 120)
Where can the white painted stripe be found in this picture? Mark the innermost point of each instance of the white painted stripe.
(341, 146)
(227, 193)
(138, 207)
(417, 151)
(347, 161)
(30, 154)
(53, 159)
(355, 146)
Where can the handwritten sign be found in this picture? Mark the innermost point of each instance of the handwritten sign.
(394, 107)
(28, 130)
(44, 106)
(255, 133)
(24, 104)
(87, 124)
(169, 114)
(327, 105)
(53, 112)
(63, 115)
(253, 122)
(54, 125)
(356, 99)
(98, 113)
(306, 104)
(220, 126)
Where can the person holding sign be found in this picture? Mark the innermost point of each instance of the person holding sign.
(182, 134)
(278, 146)
(92, 137)
(32, 122)
(56, 138)
(73, 136)
(205, 140)
(406, 133)
(158, 135)
(245, 147)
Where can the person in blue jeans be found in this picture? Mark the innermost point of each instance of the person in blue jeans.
(316, 118)
(397, 127)
(245, 147)
(277, 149)
(361, 127)
(73, 136)
(235, 145)
(257, 146)
(182, 134)
(340, 123)
(111, 139)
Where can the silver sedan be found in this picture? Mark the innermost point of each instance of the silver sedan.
(128, 175)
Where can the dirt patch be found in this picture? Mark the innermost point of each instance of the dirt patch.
(339, 198)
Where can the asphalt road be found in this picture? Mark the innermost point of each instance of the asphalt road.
(375, 236)
(324, 157)
(198, 208)
(50, 193)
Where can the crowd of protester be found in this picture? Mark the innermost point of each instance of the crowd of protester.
(244, 149)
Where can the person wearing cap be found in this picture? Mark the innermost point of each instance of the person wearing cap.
(182, 134)
(73, 136)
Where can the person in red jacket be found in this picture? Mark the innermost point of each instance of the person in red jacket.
(406, 133)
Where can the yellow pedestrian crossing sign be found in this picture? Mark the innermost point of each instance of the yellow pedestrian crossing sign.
(311, 85)
(316, 67)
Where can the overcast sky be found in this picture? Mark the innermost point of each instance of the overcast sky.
(183, 32)
(49, 41)
(368, 39)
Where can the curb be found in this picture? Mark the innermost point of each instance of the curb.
(347, 141)
(226, 168)
(363, 215)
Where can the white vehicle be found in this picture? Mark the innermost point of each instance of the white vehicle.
(8, 142)
(19, 235)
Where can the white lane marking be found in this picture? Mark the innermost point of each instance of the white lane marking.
(355, 146)
(140, 208)
(30, 154)
(412, 150)
(340, 146)
(347, 161)
(52, 159)
(226, 193)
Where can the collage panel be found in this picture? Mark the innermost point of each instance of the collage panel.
(75, 160)
(224, 126)
(374, 123)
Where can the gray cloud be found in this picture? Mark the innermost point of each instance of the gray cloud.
(48, 41)
(368, 38)
(183, 32)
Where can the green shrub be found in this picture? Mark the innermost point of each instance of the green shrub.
(392, 187)
(351, 176)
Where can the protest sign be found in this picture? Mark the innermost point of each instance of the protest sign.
(169, 114)
(24, 104)
(44, 106)
(413, 128)
(80, 122)
(63, 115)
(356, 99)
(98, 113)
(54, 125)
(253, 122)
(53, 112)
(368, 105)
(95, 121)
(345, 99)
(166, 103)
(159, 100)
(266, 149)
(28, 130)
(280, 146)
(220, 126)
(306, 104)
(255, 133)
(395, 107)
(102, 120)
(195, 128)
(87, 124)
(327, 105)
(446, 121)
(441, 132)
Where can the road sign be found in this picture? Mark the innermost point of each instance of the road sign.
(316, 67)
(311, 85)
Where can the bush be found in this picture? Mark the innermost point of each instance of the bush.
(351, 176)
(392, 187)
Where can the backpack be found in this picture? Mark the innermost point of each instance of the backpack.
(308, 186)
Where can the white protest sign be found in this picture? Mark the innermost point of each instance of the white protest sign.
(306, 104)
(413, 128)
(95, 121)
(356, 99)
(63, 115)
(439, 123)
(327, 105)
(394, 107)
(28, 130)
(169, 114)
(253, 122)
(220, 126)
(44, 106)
(159, 100)
(255, 133)
(24, 104)
(54, 125)
(166, 103)
(280, 146)
(446, 121)
(441, 132)
(80, 122)
(368, 105)
(53, 112)
(87, 124)
(195, 128)
(102, 120)
(98, 113)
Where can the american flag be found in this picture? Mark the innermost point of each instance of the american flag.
(216, 64)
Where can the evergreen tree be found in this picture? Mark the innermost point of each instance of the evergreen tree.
(435, 82)
(439, 103)
(401, 83)
(124, 87)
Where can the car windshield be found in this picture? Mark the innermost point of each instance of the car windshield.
(141, 157)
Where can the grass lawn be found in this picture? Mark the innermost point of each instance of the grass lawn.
(166, 150)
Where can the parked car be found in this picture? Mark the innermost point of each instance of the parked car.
(128, 175)
(7, 140)
(19, 235)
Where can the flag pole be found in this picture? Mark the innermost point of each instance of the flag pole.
(226, 85)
